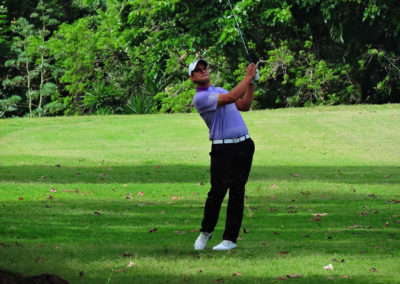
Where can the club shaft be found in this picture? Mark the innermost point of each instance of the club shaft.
(240, 32)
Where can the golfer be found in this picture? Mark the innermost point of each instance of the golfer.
(231, 152)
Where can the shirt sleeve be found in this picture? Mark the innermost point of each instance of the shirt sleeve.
(205, 101)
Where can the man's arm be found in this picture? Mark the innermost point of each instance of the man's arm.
(237, 92)
(245, 102)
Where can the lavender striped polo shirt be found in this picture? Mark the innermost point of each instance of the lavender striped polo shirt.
(223, 122)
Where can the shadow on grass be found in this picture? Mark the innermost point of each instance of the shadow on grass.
(69, 229)
(191, 173)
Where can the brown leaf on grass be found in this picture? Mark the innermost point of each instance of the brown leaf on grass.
(140, 193)
(201, 183)
(77, 174)
(77, 191)
(263, 243)
(179, 232)
(130, 264)
(372, 195)
(294, 275)
(43, 177)
(194, 230)
(316, 219)
(276, 233)
(283, 252)
(387, 176)
(376, 211)
(282, 278)
(373, 269)
(50, 197)
(306, 236)
(102, 175)
(153, 230)
(158, 167)
(295, 175)
(272, 209)
(362, 251)
(177, 197)
(219, 280)
(336, 260)
(39, 259)
(330, 278)
(237, 274)
(274, 186)
(292, 212)
(345, 276)
(128, 197)
(364, 213)
(20, 198)
(387, 224)
(354, 226)
(96, 213)
(58, 166)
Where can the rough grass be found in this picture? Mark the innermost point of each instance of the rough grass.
(141, 173)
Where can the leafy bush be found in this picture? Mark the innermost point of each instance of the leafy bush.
(176, 98)
(139, 105)
(299, 79)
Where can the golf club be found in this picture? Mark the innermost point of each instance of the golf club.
(244, 43)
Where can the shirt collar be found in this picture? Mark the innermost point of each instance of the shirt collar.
(204, 89)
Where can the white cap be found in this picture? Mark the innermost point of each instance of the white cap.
(193, 65)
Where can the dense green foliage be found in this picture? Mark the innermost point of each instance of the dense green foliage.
(129, 56)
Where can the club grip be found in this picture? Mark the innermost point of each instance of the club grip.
(249, 58)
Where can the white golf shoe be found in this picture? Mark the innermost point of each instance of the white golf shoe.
(201, 241)
(225, 245)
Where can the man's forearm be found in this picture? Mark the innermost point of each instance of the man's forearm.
(244, 103)
(236, 93)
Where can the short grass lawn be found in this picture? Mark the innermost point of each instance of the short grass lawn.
(119, 199)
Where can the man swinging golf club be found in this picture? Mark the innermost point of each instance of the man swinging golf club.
(231, 153)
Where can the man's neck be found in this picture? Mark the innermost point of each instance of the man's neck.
(203, 86)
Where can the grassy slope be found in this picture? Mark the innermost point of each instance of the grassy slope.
(346, 159)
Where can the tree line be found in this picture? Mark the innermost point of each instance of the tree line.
(72, 57)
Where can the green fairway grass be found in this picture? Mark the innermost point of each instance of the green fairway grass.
(84, 197)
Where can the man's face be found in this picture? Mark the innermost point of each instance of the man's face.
(200, 75)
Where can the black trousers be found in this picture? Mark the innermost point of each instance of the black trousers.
(230, 168)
